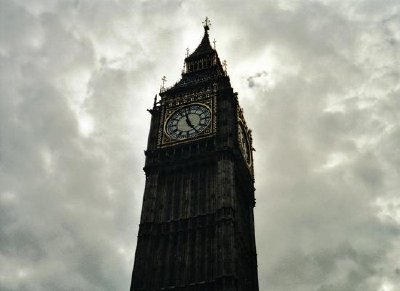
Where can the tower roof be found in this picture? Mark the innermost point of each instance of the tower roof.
(201, 66)
(204, 46)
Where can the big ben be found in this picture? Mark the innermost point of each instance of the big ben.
(196, 229)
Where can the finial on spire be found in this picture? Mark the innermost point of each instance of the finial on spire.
(163, 79)
(206, 24)
(214, 41)
(187, 51)
(225, 65)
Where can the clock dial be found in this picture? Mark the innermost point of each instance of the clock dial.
(244, 144)
(188, 121)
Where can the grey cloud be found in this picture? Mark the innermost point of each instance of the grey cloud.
(76, 78)
(256, 78)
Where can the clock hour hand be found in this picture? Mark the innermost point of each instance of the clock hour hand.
(189, 122)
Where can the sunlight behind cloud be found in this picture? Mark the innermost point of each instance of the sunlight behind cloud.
(387, 286)
(388, 209)
(334, 160)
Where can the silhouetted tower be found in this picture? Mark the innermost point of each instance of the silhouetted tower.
(197, 226)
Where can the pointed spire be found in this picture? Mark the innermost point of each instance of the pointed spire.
(205, 45)
(200, 65)
(155, 101)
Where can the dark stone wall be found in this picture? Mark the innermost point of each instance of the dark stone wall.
(197, 226)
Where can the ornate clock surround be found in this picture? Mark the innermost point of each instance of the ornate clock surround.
(207, 100)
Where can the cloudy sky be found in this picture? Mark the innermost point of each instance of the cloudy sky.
(319, 83)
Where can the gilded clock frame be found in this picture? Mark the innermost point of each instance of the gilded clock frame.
(167, 112)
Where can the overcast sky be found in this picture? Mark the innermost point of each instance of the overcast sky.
(319, 83)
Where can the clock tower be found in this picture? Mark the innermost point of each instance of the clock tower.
(197, 226)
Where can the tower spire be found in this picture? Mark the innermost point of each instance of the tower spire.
(204, 46)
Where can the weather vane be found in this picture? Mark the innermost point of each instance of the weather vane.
(207, 23)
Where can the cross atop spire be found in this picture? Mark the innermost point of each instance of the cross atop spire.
(206, 24)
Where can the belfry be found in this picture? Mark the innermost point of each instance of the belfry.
(197, 226)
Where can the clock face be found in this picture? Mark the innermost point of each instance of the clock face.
(188, 121)
(244, 144)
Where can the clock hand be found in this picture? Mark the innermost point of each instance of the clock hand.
(189, 123)
(188, 120)
(192, 126)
